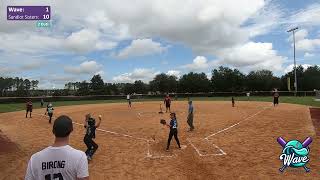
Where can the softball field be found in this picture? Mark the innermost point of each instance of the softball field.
(228, 142)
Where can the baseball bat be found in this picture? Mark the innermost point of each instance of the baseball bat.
(281, 141)
(283, 168)
(307, 142)
(305, 168)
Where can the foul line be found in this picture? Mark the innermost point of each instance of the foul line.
(225, 129)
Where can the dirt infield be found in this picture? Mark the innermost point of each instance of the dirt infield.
(228, 143)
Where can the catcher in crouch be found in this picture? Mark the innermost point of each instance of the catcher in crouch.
(173, 129)
(91, 126)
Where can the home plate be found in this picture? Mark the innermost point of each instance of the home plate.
(205, 147)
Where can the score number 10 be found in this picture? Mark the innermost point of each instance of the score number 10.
(47, 16)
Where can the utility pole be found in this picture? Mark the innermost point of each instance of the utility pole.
(294, 59)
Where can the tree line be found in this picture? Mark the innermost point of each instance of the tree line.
(223, 79)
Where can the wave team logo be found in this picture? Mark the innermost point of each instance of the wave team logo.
(294, 153)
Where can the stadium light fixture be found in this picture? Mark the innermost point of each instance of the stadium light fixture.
(294, 59)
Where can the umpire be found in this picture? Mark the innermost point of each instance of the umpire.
(91, 126)
(190, 116)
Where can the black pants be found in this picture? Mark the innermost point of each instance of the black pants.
(190, 121)
(50, 116)
(27, 111)
(173, 132)
(168, 107)
(275, 100)
(91, 146)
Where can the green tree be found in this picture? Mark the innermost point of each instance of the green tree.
(226, 79)
(97, 84)
(164, 83)
(140, 87)
(194, 82)
(262, 80)
(84, 88)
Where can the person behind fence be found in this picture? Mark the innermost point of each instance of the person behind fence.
(275, 97)
(91, 126)
(190, 116)
(60, 160)
(173, 130)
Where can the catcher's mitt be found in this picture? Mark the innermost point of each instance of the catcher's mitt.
(162, 121)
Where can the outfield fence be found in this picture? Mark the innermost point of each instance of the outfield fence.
(154, 96)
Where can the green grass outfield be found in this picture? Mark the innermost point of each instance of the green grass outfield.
(309, 101)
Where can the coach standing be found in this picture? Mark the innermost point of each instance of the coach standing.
(59, 161)
(190, 116)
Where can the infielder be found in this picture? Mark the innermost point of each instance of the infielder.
(129, 100)
(275, 97)
(167, 102)
(91, 126)
(173, 130)
(50, 111)
(29, 108)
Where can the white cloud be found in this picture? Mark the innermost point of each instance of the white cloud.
(289, 68)
(309, 16)
(200, 63)
(174, 73)
(303, 43)
(87, 40)
(87, 67)
(138, 74)
(141, 47)
(307, 55)
(253, 56)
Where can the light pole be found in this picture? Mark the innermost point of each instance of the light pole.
(294, 59)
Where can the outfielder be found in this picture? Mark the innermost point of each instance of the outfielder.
(91, 126)
(275, 97)
(129, 100)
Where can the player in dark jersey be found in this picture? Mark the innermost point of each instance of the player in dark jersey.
(29, 108)
(275, 97)
(173, 130)
(167, 102)
(91, 126)
(50, 111)
(232, 100)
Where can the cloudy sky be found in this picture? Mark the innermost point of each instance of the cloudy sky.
(126, 40)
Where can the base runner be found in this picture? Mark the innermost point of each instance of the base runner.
(91, 126)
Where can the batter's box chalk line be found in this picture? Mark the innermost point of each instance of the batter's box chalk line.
(211, 154)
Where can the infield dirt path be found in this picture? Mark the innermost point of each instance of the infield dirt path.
(241, 141)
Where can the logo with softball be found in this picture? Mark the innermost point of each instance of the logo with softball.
(294, 153)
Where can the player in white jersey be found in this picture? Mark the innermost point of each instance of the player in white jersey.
(129, 100)
(59, 161)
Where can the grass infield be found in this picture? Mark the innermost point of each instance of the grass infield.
(307, 100)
